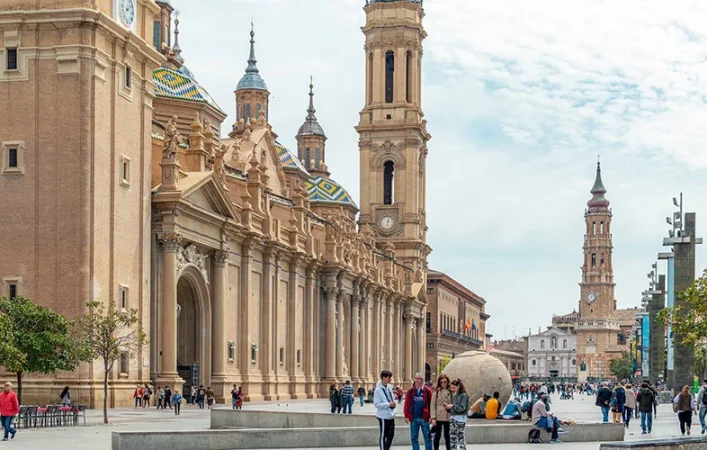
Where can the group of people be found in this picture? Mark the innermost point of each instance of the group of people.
(342, 400)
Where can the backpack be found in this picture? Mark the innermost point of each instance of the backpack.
(526, 407)
(704, 396)
(534, 436)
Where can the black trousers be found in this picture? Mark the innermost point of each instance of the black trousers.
(177, 408)
(685, 419)
(387, 433)
(442, 427)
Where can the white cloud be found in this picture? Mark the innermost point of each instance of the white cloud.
(520, 97)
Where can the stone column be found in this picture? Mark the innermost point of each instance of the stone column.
(354, 366)
(656, 334)
(391, 335)
(266, 324)
(308, 328)
(218, 319)
(420, 347)
(340, 335)
(375, 337)
(291, 328)
(331, 294)
(363, 372)
(171, 243)
(244, 297)
(396, 366)
(408, 347)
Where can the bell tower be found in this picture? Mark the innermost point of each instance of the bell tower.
(597, 328)
(392, 132)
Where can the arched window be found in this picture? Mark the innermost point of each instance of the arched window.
(542, 344)
(564, 343)
(307, 158)
(408, 77)
(370, 79)
(316, 158)
(594, 259)
(534, 362)
(601, 228)
(389, 76)
(594, 228)
(553, 342)
(388, 182)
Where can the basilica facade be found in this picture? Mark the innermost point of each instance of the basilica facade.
(246, 261)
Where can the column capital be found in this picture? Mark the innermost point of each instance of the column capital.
(220, 257)
(170, 241)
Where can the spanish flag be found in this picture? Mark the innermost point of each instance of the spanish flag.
(467, 326)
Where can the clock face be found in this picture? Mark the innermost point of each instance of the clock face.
(387, 223)
(591, 297)
(126, 9)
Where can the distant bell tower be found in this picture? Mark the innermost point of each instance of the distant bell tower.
(252, 93)
(311, 140)
(392, 132)
(597, 328)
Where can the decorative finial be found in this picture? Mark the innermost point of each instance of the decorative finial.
(176, 48)
(252, 62)
(311, 110)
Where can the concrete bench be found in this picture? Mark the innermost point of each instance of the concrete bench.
(684, 443)
(336, 436)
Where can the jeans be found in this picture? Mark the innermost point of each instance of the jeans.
(415, 426)
(551, 424)
(646, 420)
(605, 414)
(703, 411)
(7, 425)
(348, 403)
(628, 412)
(360, 397)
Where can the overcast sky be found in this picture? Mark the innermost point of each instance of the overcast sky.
(520, 97)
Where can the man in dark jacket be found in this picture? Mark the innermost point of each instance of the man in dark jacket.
(645, 400)
(604, 401)
(417, 412)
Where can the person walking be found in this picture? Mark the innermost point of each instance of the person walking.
(361, 394)
(618, 400)
(65, 397)
(458, 409)
(177, 402)
(167, 398)
(9, 407)
(146, 394)
(604, 395)
(200, 396)
(645, 399)
(210, 397)
(347, 396)
(702, 404)
(630, 404)
(160, 397)
(417, 412)
(234, 396)
(384, 402)
(685, 405)
(438, 413)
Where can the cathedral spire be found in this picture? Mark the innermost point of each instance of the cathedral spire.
(252, 79)
(311, 126)
(598, 190)
(177, 49)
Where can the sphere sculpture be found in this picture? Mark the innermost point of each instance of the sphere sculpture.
(480, 373)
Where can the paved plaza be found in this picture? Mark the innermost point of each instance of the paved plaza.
(97, 436)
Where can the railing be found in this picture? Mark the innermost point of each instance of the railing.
(462, 337)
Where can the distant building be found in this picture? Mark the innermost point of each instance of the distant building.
(515, 362)
(552, 354)
(456, 321)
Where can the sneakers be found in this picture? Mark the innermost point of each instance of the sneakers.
(556, 441)
(13, 434)
(703, 431)
(561, 431)
(644, 432)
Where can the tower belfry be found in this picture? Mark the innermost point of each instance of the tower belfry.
(392, 132)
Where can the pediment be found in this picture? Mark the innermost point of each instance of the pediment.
(210, 195)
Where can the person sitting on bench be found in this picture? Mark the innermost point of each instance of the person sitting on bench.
(543, 418)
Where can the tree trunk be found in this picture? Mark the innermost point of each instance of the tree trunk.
(105, 393)
(19, 387)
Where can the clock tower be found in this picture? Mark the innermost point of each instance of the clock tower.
(597, 328)
(393, 134)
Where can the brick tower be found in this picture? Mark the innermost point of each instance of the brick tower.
(597, 328)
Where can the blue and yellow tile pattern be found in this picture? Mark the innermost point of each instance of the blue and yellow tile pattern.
(288, 159)
(180, 85)
(326, 190)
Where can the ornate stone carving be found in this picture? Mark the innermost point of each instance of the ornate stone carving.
(192, 255)
(170, 241)
(221, 256)
(171, 139)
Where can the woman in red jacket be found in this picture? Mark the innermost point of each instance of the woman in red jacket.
(9, 407)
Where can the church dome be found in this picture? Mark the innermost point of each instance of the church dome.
(325, 190)
(311, 126)
(180, 85)
(288, 159)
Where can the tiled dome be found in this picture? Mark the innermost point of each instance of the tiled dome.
(326, 190)
(288, 159)
(180, 85)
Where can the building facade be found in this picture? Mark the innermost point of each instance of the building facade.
(514, 354)
(455, 321)
(552, 354)
(244, 259)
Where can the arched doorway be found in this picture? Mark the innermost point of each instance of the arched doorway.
(428, 373)
(193, 319)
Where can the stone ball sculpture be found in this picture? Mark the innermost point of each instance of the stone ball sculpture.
(480, 373)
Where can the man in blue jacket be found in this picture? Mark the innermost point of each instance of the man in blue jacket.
(384, 402)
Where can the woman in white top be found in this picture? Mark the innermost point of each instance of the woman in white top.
(630, 404)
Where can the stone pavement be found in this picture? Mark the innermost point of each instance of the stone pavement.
(97, 436)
